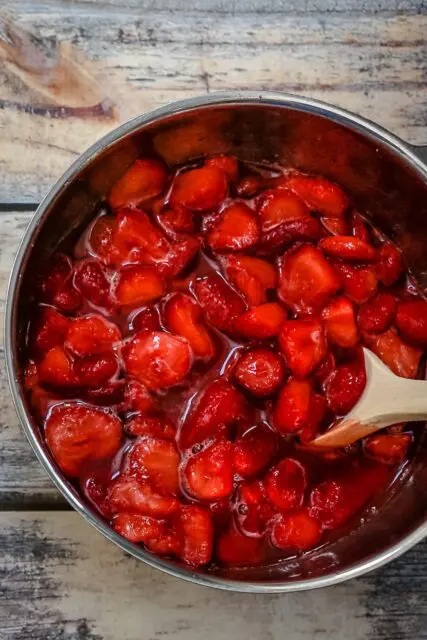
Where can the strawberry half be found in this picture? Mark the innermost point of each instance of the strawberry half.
(261, 322)
(137, 397)
(49, 330)
(411, 321)
(129, 495)
(146, 319)
(319, 194)
(144, 179)
(388, 448)
(158, 360)
(296, 531)
(228, 164)
(155, 460)
(235, 549)
(219, 301)
(345, 385)
(209, 475)
(377, 314)
(303, 344)
(253, 450)
(185, 317)
(55, 284)
(402, 358)
(340, 322)
(137, 528)
(197, 533)
(260, 371)
(389, 265)
(90, 335)
(293, 406)
(56, 369)
(285, 484)
(156, 425)
(237, 229)
(348, 248)
(137, 285)
(137, 239)
(199, 189)
(77, 433)
(253, 277)
(307, 280)
(217, 408)
(253, 511)
(94, 371)
(281, 206)
(91, 280)
(359, 284)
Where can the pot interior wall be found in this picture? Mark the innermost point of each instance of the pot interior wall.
(383, 185)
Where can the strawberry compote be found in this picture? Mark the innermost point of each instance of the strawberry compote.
(204, 329)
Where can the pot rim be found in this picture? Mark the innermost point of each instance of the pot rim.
(279, 100)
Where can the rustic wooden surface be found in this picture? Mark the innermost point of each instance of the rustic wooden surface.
(58, 577)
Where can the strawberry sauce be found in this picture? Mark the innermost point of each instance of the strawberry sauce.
(206, 326)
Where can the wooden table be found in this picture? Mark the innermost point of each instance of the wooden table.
(60, 578)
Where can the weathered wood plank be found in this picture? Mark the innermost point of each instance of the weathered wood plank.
(374, 64)
(60, 579)
(22, 480)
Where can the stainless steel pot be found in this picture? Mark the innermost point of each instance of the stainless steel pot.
(388, 179)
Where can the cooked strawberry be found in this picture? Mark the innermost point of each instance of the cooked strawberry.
(137, 239)
(411, 321)
(297, 531)
(137, 528)
(293, 405)
(219, 301)
(285, 484)
(167, 544)
(110, 394)
(235, 549)
(55, 284)
(377, 314)
(389, 265)
(101, 241)
(260, 371)
(218, 407)
(335, 226)
(263, 321)
(345, 385)
(155, 460)
(177, 220)
(359, 227)
(199, 189)
(90, 335)
(94, 371)
(94, 481)
(253, 511)
(91, 280)
(144, 179)
(348, 248)
(184, 317)
(209, 475)
(333, 502)
(237, 229)
(326, 368)
(340, 322)
(284, 234)
(196, 529)
(49, 330)
(402, 358)
(316, 416)
(388, 448)
(251, 276)
(178, 257)
(281, 206)
(56, 369)
(137, 397)
(228, 164)
(127, 494)
(249, 186)
(145, 319)
(307, 280)
(158, 360)
(156, 425)
(77, 433)
(254, 450)
(136, 285)
(304, 346)
(359, 284)
(319, 194)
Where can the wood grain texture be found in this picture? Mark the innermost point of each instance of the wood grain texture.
(369, 57)
(60, 579)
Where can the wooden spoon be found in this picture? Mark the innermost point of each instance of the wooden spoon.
(386, 400)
